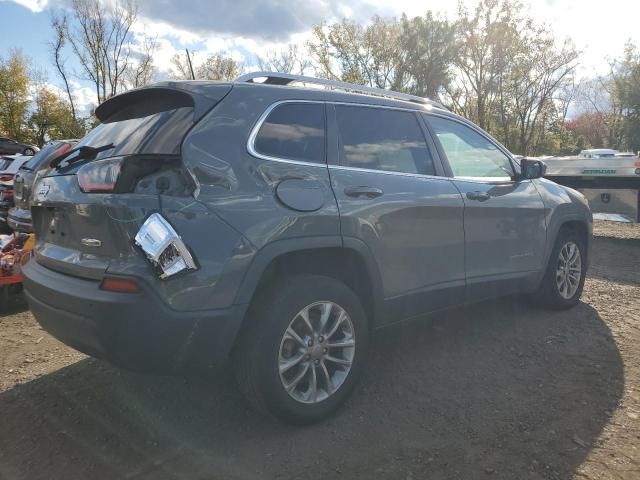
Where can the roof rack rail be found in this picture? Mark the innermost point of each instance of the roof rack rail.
(275, 78)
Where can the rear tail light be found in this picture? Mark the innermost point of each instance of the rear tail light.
(7, 177)
(163, 246)
(6, 194)
(100, 176)
(120, 285)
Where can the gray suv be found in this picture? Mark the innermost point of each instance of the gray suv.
(273, 227)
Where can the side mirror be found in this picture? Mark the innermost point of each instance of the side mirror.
(531, 169)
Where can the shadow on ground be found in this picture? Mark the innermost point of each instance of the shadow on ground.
(496, 391)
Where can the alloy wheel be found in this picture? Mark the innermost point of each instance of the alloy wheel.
(569, 270)
(316, 352)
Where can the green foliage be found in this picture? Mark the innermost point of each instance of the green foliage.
(52, 118)
(494, 64)
(14, 95)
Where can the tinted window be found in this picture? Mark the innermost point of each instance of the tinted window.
(42, 158)
(293, 131)
(158, 133)
(381, 139)
(469, 153)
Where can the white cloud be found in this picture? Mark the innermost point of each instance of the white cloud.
(33, 5)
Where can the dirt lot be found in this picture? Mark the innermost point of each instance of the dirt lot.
(500, 390)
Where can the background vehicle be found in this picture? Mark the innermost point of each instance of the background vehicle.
(19, 216)
(273, 227)
(10, 147)
(605, 153)
(9, 165)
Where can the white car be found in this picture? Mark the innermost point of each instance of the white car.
(9, 165)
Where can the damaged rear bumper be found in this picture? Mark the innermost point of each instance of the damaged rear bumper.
(134, 331)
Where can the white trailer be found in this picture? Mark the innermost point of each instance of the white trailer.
(611, 184)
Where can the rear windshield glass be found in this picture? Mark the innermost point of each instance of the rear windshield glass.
(40, 159)
(158, 133)
(5, 162)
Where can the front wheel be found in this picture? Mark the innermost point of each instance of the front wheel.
(564, 277)
(304, 350)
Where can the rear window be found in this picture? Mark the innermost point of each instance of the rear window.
(5, 162)
(42, 158)
(293, 131)
(157, 133)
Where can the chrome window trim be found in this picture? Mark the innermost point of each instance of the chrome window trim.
(256, 128)
(387, 172)
(492, 180)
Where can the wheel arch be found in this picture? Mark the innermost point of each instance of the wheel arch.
(577, 223)
(347, 260)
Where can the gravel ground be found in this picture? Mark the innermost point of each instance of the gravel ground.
(498, 390)
(616, 230)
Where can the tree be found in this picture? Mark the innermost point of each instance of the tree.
(14, 94)
(142, 69)
(430, 47)
(59, 25)
(99, 34)
(370, 55)
(485, 38)
(616, 98)
(288, 60)
(592, 127)
(214, 67)
(508, 72)
(180, 69)
(537, 71)
(218, 67)
(52, 118)
(626, 93)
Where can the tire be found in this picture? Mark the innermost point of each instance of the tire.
(552, 295)
(29, 151)
(264, 349)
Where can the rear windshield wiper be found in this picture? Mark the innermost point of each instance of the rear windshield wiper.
(85, 152)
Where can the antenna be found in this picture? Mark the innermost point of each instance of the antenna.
(193, 76)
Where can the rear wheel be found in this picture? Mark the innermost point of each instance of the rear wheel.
(29, 151)
(304, 349)
(564, 277)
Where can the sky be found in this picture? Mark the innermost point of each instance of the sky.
(246, 28)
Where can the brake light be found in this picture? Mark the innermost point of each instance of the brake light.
(7, 177)
(119, 285)
(163, 246)
(6, 194)
(100, 176)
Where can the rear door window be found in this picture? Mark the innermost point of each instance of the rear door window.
(382, 139)
(293, 131)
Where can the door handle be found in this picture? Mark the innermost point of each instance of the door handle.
(479, 196)
(363, 192)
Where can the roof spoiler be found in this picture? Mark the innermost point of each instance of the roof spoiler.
(162, 97)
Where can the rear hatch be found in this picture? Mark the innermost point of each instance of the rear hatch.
(87, 209)
(26, 174)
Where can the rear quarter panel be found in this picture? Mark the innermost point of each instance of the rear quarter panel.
(241, 188)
